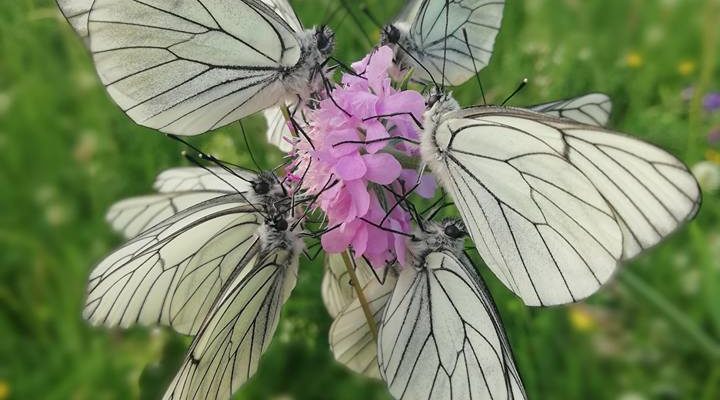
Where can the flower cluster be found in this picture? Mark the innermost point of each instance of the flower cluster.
(358, 137)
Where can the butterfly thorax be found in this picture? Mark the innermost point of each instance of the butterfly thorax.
(279, 234)
(306, 77)
(441, 107)
(397, 36)
(448, 235)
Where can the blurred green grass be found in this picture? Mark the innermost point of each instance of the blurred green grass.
(68, 153)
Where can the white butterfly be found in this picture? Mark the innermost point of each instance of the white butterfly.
(352, 341)
(179, 189)
(186, 67)
(441, 336)
(77, 12)
(591, 109)
(428, 36)
(227, 349)
(186, 245)
(554, 205)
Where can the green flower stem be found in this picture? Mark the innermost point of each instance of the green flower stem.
(679, 318)
(350, 266)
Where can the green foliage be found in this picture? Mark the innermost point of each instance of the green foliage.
(68, 153)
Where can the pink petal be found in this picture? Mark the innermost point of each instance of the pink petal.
(336, 241)
(360, 240)
(382, 168)
(357, 190)
(350, 167)
(375, 131)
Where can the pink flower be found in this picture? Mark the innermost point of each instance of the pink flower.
(358, 182)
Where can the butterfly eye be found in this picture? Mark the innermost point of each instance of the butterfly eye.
(455, 231)
(280, 223)
(261, 187)
(390, 34)
(325, 40)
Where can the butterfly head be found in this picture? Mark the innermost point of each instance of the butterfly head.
(448, 234)
(278, 222)
(454, 228)
(390, 35)
(325, 40)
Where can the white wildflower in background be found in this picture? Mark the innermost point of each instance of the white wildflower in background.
(708, 175)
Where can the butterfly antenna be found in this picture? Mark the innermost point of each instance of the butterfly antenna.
(247, 146)
(199, 164)
(477, 73)
(213, 159)
(447, 24)
(519, 88)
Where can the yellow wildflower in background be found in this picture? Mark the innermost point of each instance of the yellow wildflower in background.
(686, 68)
(581, 319)
(634, 60)
(712, 155)
(4, 390)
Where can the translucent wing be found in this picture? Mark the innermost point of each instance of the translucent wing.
(591, 109)
(135, 215)
(172, 273)
(435, 37)
(77, 12)
(227, 350)
(185, 66)
(442, 338)
(538, 222)
(213, 179)
(286, 12)
(278, 132)
(337, 290)
(651, 192)
(351, 340)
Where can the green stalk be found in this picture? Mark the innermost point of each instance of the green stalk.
(709, 345)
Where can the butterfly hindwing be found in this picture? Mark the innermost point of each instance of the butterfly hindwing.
(591, 109)
(228, 347)
(186, 67)
(172, 273)
(433, 31)
(441, 336)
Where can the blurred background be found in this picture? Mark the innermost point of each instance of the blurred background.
(67, 153)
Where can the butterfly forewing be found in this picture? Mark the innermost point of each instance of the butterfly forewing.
(436, 37)
(132, 216)
(591, 109)
(228, 347)
(77, 12)
(441, 336)
(212, 179)
(538, 222)
(172, 273)
(185, 66)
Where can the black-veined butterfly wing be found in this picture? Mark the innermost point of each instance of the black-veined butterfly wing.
(278, 132)
(432, 30)
(286, 12)
(650, 190)
(210, 179)
(227, 350)
(352, 342)
(172, 273)
(180, 189)
(441, 336)
(591, 109)
(336, 288)
(77, 13)
(537, 221)
(186, 67)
